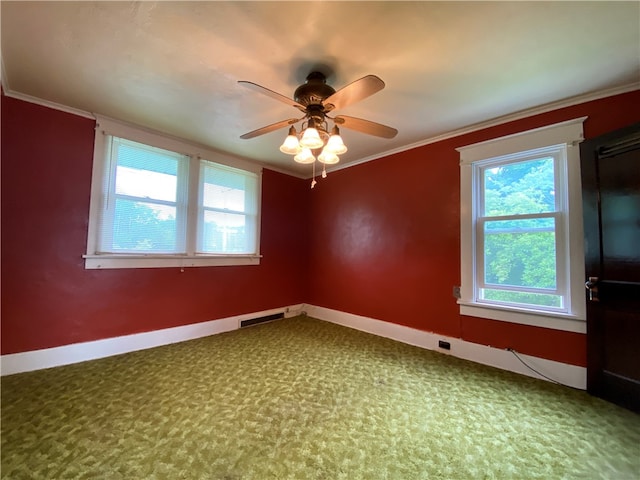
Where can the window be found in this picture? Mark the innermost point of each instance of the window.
(144, 209)
(227, 217)
(521, 224)
(154, 207)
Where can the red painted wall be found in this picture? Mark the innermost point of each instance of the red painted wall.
(49, 299)
(386, 237)
(380, 239)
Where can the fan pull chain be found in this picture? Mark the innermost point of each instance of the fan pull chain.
(313, 182)
(324, 171)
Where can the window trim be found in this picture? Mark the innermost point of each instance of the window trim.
(99, 185)
(557, 153)
(569, 133)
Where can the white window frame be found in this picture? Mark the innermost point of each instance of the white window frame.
(561, 139)
(106, 127)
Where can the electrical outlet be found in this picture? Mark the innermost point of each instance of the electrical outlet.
(456, 291)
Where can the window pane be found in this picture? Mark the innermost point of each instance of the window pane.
(146, 184)
(226, 233)
(520, 253)
(225, 189)
(537, 299)
(144, 227)
(519, 188)
(146, 172)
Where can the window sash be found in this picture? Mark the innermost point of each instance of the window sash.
(246, 182)
(481, 255)
(106, 229)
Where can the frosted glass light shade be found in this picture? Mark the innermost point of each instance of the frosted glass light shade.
(290, 146)
(336, 145)
(311, 139)
(305, 156)
(327, 157)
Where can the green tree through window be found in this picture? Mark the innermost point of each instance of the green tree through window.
(139, 227)
(518, 252)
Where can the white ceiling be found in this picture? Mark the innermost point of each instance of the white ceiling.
(174, 66)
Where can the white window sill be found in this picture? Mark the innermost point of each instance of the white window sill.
(93, 262)
(556, 321)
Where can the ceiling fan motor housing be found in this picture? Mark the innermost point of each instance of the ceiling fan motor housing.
(314, 90)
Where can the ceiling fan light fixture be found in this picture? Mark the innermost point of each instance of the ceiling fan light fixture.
(305, 156)
(291, 146)
(315, 99)
(335, 144)
(327, 157)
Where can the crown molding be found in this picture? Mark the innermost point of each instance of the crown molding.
(82, 113)
(548, 107)
(45, 103)
(3, 75)
(530, 112)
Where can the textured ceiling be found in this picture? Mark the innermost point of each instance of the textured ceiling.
(174, 66)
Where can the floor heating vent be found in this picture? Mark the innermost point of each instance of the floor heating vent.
(266, 318)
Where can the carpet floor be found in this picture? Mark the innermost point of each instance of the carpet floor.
(305, 399)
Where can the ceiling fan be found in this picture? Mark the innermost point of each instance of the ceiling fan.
(315, 99)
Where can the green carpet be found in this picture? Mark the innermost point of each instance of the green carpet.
(305, 399)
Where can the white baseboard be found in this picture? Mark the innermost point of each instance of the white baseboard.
(80, 352)
(566, 374)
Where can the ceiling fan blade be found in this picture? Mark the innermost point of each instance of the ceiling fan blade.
(272, 94)
(270, 128)
(354, 92)
(366, 126)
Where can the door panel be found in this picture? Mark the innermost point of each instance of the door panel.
(610, 167)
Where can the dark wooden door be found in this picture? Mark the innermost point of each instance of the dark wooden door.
(611, 207)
